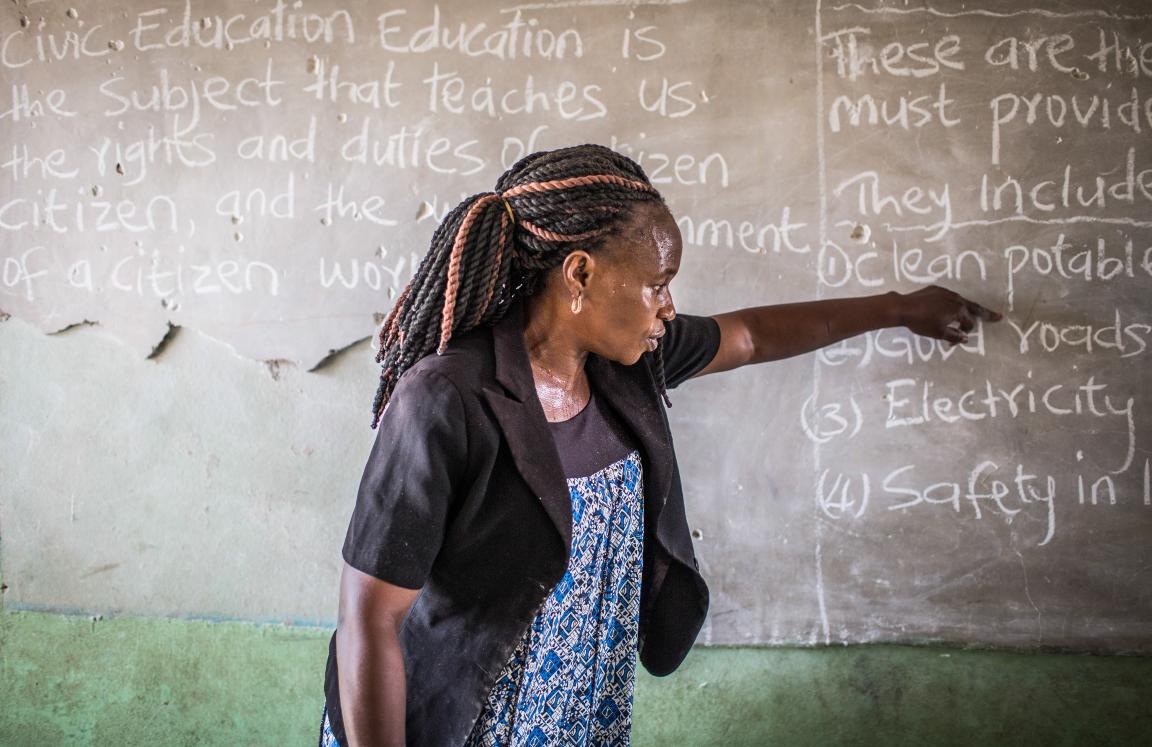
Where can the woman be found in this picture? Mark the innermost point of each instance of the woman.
(519, 534)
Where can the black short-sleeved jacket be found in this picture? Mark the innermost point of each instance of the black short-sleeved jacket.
(464, 497)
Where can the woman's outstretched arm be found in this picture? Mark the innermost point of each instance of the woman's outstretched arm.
(768, 333)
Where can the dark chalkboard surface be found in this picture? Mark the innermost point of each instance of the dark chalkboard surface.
(268, 173)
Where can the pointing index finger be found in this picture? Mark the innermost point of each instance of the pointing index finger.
(982, 313)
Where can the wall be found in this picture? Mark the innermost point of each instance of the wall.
(197, 482)
(72, 680)
(886, 490)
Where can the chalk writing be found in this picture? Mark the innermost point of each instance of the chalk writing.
(516, 38)
(280, 23)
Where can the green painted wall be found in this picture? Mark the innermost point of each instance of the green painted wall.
(74, 681)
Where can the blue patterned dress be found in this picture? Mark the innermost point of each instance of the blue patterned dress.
(570, 679)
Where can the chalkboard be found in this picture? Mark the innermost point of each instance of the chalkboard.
(268, 173)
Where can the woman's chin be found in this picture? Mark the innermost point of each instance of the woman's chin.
(625, 356)
(635, 357)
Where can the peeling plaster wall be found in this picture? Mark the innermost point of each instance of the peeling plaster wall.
(200, 483)
(194, 483)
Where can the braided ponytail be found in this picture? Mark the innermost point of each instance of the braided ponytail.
(495, 247)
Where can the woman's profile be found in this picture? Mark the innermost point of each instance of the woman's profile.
(519, 540)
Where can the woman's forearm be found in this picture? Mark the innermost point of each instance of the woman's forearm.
(372, 693)
(769, 333)
(785, 330)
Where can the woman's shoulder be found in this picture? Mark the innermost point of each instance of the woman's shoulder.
(468, 364)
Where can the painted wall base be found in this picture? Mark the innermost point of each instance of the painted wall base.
(77, 681)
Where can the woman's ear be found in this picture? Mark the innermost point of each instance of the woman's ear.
(576, 270)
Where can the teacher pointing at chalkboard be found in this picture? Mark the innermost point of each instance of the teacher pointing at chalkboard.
(519, 536)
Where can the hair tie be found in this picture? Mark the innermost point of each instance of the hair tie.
(508, 207)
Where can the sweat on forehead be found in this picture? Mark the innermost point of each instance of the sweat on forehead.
(651, 228)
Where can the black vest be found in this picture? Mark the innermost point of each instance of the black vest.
(464, 497)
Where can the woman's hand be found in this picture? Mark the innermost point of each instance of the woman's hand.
(943, 314)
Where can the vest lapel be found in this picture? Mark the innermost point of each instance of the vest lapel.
(631, 393)
(629, 390)
(521, 418)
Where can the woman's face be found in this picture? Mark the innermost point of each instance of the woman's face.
(626, 296)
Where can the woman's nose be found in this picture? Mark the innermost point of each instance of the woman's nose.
(667, 312)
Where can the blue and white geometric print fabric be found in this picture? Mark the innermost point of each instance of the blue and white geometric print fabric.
(327, 738)
(571, 678)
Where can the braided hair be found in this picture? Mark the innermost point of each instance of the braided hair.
(495, 247)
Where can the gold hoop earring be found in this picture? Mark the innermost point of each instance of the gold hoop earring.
(577, 303)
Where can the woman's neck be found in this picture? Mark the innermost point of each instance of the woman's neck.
(557, 361)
